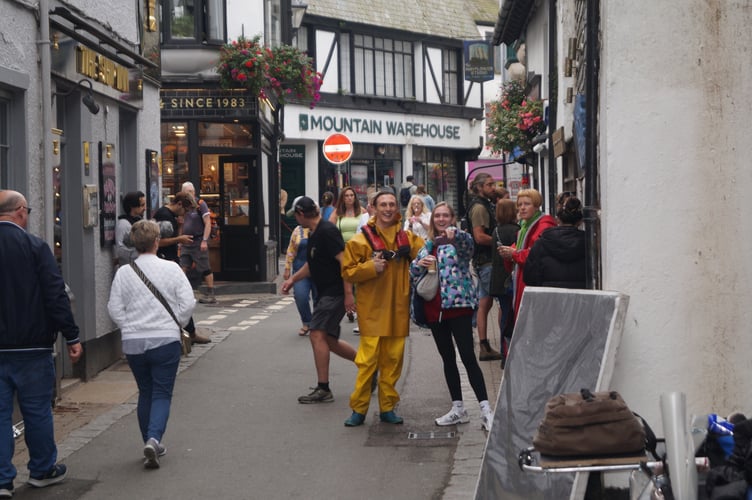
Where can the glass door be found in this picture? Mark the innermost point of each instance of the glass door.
(239, 231)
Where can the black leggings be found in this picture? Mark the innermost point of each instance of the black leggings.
(462, 330)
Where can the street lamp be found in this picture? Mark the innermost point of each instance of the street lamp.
(297, 12)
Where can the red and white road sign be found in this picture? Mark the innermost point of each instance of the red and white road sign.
(338, 148)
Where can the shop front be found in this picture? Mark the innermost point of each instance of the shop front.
(213, 138)
(387, 147)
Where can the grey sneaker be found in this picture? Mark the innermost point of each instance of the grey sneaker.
(318, 395)
(152, 451)
(453, 417)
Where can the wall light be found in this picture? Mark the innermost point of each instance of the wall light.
(87, 99)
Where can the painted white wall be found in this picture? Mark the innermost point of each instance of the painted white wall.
(675, 179)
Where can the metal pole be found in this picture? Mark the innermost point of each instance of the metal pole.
(592, 197)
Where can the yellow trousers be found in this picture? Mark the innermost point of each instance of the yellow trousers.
(386, 354)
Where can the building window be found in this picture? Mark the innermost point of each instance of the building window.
(451, 76)
(382, 66)
(4, 143)
(194, 21)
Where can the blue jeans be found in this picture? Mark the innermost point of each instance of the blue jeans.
(302, 291)
(31, 377)
(155, 372)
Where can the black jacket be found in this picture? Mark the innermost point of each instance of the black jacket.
(33, 302)
(557, 259)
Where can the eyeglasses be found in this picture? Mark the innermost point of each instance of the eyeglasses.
(28, 209)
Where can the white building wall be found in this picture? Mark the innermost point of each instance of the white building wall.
(676, 183)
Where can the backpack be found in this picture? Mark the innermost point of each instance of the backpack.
(465, 224)
(404, 196)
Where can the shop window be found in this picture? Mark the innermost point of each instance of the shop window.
(174, 157)
(372, 167)
(225, 135)
(4, 143)
(436, 169)
(193, 22)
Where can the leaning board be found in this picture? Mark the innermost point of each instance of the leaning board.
(564, 340)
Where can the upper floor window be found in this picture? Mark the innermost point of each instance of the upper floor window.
(193, 21)
(382, 66)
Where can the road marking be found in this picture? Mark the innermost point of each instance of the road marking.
(238, 328)
(248, 322)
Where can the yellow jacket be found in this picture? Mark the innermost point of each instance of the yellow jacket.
(383, 300)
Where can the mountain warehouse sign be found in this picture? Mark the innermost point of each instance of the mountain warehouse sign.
(395, 128)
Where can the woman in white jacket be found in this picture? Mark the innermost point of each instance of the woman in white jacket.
(151, 337)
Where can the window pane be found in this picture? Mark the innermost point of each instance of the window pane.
(182, 19)
(225, 135)
(383, 66)
(215, 14)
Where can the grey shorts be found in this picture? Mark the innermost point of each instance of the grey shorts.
(192, 253)
(327, 314)
(484, 280)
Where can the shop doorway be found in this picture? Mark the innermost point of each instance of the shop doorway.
(238, 226)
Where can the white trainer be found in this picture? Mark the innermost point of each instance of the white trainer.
(486, 419)
(453, 417)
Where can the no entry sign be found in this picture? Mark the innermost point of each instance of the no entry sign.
(338, 148)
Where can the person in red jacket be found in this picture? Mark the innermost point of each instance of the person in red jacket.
(532, 223)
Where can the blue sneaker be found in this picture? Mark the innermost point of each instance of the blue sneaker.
(390, 417)
(355, 419)
(53, 476)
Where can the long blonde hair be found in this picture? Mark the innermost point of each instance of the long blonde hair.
(431, 228)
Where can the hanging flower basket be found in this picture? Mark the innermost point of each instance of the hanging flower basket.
(513, 121)
(283, 72)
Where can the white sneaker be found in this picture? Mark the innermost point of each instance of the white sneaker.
(486, 419)
(453, 417)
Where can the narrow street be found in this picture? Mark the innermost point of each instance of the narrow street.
(236, 429)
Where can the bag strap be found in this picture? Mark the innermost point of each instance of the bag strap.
(156, 292)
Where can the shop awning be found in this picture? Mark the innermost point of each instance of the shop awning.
(513, 18)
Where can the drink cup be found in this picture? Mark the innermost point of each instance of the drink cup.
(432, 267)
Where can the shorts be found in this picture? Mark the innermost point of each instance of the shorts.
(484, 280)
(190, 254)
(328, 312)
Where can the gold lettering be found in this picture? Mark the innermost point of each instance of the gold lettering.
(209, 102)
(174, 103)
(199, 102)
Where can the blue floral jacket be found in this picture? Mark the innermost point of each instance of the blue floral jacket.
(455, 281)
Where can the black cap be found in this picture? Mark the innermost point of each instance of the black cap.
(304, 205)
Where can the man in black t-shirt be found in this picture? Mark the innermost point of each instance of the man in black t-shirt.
(169, 240)
(335, 297)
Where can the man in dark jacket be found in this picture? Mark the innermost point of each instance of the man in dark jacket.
(33, 308)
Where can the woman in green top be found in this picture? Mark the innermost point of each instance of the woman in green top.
(346, 215)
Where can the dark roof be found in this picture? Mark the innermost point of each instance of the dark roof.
(513, 18)
(456, 19)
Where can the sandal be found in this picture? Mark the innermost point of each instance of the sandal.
(303, 331)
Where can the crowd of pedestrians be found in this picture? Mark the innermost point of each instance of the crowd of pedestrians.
(383, 259)
(507, 245)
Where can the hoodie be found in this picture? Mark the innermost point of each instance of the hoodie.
(557, 259)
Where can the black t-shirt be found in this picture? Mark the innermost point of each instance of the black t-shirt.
(323, 246)
(170, 252)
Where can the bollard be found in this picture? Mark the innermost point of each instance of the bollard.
(679, 446)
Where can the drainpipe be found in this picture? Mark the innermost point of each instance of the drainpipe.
(43, 46)
(553, 101)
(592, 197)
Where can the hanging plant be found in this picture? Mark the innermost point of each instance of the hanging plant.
(513, 121)
(282, 73)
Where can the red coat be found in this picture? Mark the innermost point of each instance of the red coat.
(520, 256)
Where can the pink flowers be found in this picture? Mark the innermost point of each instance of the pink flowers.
(281, 73)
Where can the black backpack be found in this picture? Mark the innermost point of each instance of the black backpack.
(404, 196)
